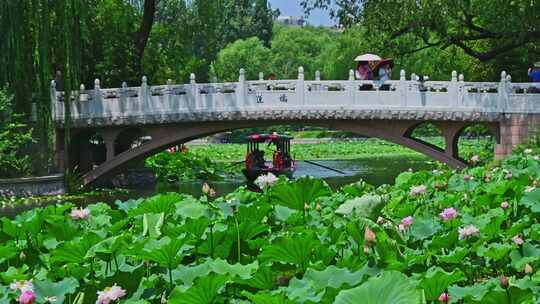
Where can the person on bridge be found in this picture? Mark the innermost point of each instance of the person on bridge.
(534, 72)
(363, 71)
(534, 75)
(384, 70)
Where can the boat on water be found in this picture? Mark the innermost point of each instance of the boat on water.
(255, 163)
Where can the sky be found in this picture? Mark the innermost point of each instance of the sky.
(293, 8)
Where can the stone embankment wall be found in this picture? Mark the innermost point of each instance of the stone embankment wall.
(28, 186)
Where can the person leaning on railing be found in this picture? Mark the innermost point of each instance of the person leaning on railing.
(534, 75)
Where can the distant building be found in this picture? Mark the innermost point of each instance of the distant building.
(291, 21)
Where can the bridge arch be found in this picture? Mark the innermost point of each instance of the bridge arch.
(164, 136)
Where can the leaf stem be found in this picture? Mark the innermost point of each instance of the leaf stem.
(237, 238)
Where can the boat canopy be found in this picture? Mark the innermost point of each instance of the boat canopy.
(282, 142)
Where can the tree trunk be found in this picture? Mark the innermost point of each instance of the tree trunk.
(144, 30)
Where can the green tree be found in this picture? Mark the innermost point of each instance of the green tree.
(483, 29)
(293, 47)
(249, 54)
(14, 135)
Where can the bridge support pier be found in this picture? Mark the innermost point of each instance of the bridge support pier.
(515, 129)
(109, 137)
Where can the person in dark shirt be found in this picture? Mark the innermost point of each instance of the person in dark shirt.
(534, 72)
(534, 75)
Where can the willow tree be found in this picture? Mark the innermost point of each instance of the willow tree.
(41, 36)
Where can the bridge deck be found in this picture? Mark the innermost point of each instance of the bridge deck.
(298, 99)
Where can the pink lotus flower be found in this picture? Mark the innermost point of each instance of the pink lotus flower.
(405, 223)
(468, 231)
(467, 177)
(110, 294)
(22, 286)
(80, 214)
(27, 297)
(418, 190)
(475, 158)
(444, 297)
(505, 205)
(266, 180)
(448, 214)
(517, 240)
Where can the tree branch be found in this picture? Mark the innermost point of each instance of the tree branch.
(145, 28)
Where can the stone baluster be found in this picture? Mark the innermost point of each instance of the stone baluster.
(82, 94)
(143, 95)
(351, 87)
(402, 87)
(54, 100)
(261, 76)
(167, 104)
(503, 96)
(97, 110)
(317, 75)
(452, 90)
(194, 96)
(461, 89)
(300, 85)
(241, 89)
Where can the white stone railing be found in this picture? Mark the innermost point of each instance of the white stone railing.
(263, 95)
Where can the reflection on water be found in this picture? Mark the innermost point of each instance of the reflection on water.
(374, 171)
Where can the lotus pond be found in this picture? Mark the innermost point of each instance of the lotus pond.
(434, 236)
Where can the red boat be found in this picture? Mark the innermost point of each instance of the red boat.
(255, 163)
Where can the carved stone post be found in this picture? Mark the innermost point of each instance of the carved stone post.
(300, 84)
(194, 92)
(124, 106)
(166, 105)
(402, 87)
(241, 96)
(96, 110)
(453, 90)
(502, 93)
(53, 100)
(143, 96)
(351, 88)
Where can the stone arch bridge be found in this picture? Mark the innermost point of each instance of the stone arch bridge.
(171, 114)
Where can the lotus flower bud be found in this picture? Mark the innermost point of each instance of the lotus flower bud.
(444, 298)
(318, 207)
(528, 269)
(206, 188)
(503, 281)
(366, 249)
(212, 193)
(369, 235)
(505, 205)
(306, 206)
(467, 177)
(22, 256)
(282, 280)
